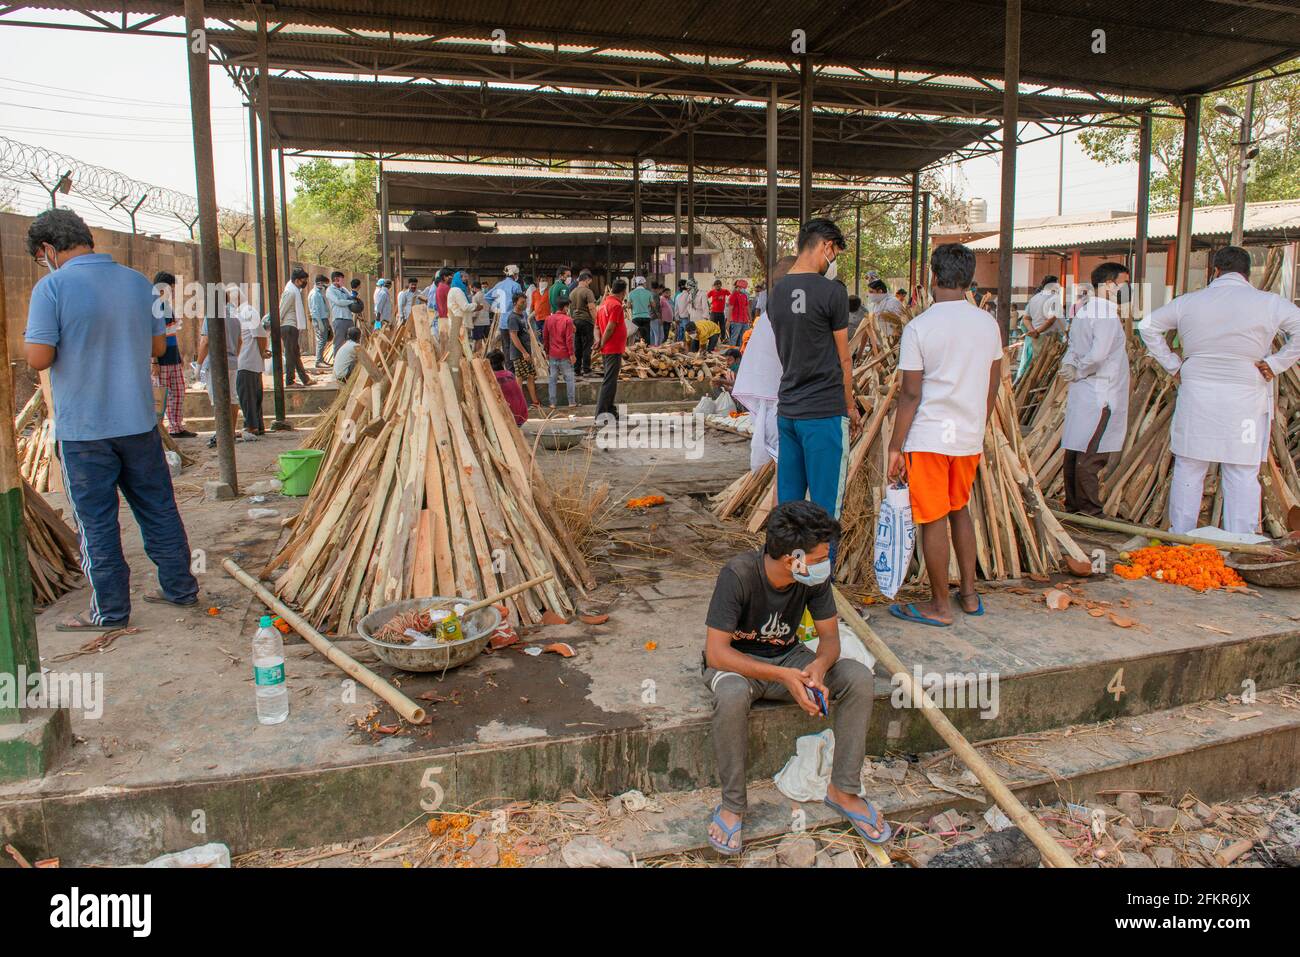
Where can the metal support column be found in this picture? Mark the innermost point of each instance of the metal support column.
(690, 203)
(805, 140)
(912, 234)
(383, 223)
(1140, 301)
(637, 265)
(271, 279)
(857, 250)
(255, 199)
(1010, 123)
(284, 215)
(677, 237)
(210, 241)
(925, 244)
(773, 133)
(1187, 194)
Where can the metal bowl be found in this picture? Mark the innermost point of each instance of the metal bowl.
(561, 440)
(1283, 574)
(439, 656)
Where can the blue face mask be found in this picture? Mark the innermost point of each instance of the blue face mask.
(813, 574)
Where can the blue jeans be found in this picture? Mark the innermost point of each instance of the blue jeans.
(813, 459)
(322, 337)
(563, 367)
(93, 473)
(736, 332)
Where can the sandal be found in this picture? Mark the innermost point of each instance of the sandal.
(728, 832)
(909, 613)
(83, 623)
(872, 819)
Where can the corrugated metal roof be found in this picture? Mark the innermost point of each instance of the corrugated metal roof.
(1265, 220)
(512, 193)
(463, 119)
(1161, 46)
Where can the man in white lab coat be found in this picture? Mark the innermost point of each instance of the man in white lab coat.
(1096, 407)
(1225, 397)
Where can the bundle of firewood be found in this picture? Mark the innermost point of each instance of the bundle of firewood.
(1136, 482)
(35, 432)
(53, 555)
(427, 488)
(672, 360)
(1015, 531)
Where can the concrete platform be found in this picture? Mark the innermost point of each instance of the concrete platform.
(177, 753)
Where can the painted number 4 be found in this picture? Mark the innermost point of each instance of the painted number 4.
(1116, 686)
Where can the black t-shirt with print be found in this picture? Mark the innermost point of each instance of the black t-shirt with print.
(805, 310)
(763, 620)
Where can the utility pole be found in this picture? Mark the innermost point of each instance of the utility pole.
(1243, 162)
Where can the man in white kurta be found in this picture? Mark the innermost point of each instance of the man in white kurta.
(1096, 406)
(1225, 398)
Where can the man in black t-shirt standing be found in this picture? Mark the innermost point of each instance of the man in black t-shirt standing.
(753, 651)
(816, 410)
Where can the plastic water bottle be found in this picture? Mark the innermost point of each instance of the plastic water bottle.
(268, 673)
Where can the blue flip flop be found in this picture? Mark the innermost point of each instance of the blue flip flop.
(857, 820)
(979, 610)
(909, 613)
(730, 832)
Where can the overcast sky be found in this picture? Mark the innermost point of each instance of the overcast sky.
(122, 102)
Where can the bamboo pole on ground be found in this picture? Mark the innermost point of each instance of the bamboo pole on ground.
(1053, 853)
(1111, 525)
(403, 705)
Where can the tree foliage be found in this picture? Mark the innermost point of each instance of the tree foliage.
(1273, 174)
(334, 218)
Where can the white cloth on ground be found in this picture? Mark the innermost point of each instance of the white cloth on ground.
(1098, 351)
(1224, 404)
(1241, 495)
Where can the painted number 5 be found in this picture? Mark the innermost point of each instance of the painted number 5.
(434, 800)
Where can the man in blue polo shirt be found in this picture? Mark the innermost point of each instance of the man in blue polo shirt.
(92, 323)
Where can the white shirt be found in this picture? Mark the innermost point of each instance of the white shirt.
(1044, 310)
(1224, 405)
(682, 305)
(953, 345)
(1098, 350)
(405, 303)
(292, 310)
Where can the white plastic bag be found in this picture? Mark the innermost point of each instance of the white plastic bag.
(723, 404)
(806, 775)
(706, 406)
(895, 540)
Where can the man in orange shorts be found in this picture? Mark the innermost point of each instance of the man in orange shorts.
(951, 360)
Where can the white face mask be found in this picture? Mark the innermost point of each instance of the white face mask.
(831, 271)
(812, 574)
(50, 263)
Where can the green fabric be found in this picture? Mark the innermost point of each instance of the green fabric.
(640, 298)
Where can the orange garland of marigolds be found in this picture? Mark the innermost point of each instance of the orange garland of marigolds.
(1199, 567)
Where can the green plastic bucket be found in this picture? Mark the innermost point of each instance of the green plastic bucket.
(298, 470)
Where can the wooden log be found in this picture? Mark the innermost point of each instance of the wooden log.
(403, 705)
(1053, 854)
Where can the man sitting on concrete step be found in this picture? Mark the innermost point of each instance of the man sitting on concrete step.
(753, 651)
